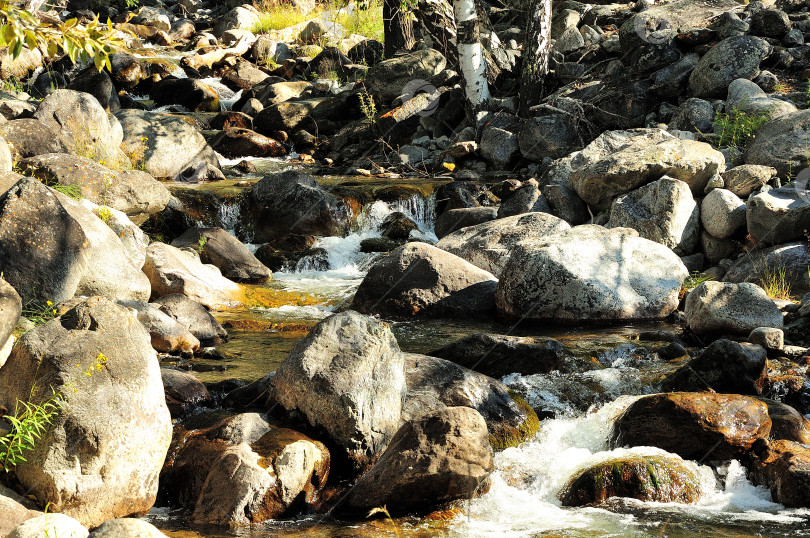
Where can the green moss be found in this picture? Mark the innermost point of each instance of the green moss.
(509, 436)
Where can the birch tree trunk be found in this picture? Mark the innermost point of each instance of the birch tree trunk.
(536, 53)
(397, 27)
(471, 57)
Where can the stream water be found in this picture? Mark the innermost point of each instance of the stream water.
(522, 500)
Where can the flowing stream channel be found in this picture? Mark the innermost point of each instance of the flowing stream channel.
(581, 405)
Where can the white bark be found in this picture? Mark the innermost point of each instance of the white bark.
(470, 54)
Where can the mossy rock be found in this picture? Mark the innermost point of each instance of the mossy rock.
(643, 477)
(507, 435)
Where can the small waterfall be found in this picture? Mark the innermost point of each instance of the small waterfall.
(227, 97)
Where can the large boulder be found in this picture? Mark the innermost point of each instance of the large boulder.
(791, 258)
(346, 378)
(126, 527)
(694, 425)
(113, 416)
(417, 279)
(489, 245)
(439, 457)
(184, 392)
(620, 161)
(499, 355)
(52, 248)
(133, 192)
(243, 470)
(778, 215)
(745, 179)
(10, 310)
(131, 236)
(163, 145)
(590, 273)
(15, 509)
(725, 366)
(748, 98)
(242, 17)
(49, 525)
(396, 76)
(219, 248)
(662, 211)
(782, 144)
(83, 126)
(788, 424)
(784, 468)
(647, 475)
(733, 58)
(293, 202)
(193, 316)
(435, 383)
(724, 307)
(171, 270)
(31, 137)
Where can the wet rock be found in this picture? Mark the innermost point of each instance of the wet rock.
(184, 392)
(194, 317)
(489, 245)
(499, 355)
(662, 211)
(397, 226)
(792, 258)
(590, 273)
(659, 477)
(167, 335)
(346, 378)
(722, 213)
(293, 202)
(745, 179)
(129, 527)
(378, 244)
(135, 193)
(435, 384)
(49, 525)
(723, 307)
(52, 248)
(127, 70)
(82, 125)
(230, 119)
(31, 137)
(440, 457)
(788, 424)
(781, 143)
(243, 470)
(178, 147)
(694, 425)
(421, 280)
(187, 92)
(123, 393)
(784, 468)
(171, 270)
(732, 58)
(778, 215)
(620, 161)
(390, 77)
(233, 143)
(725, 366)
(219, 248)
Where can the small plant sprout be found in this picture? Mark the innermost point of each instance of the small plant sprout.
(367, 105)
(104, 213)
(201, 244)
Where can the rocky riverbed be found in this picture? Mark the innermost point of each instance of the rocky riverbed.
(260, 282)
